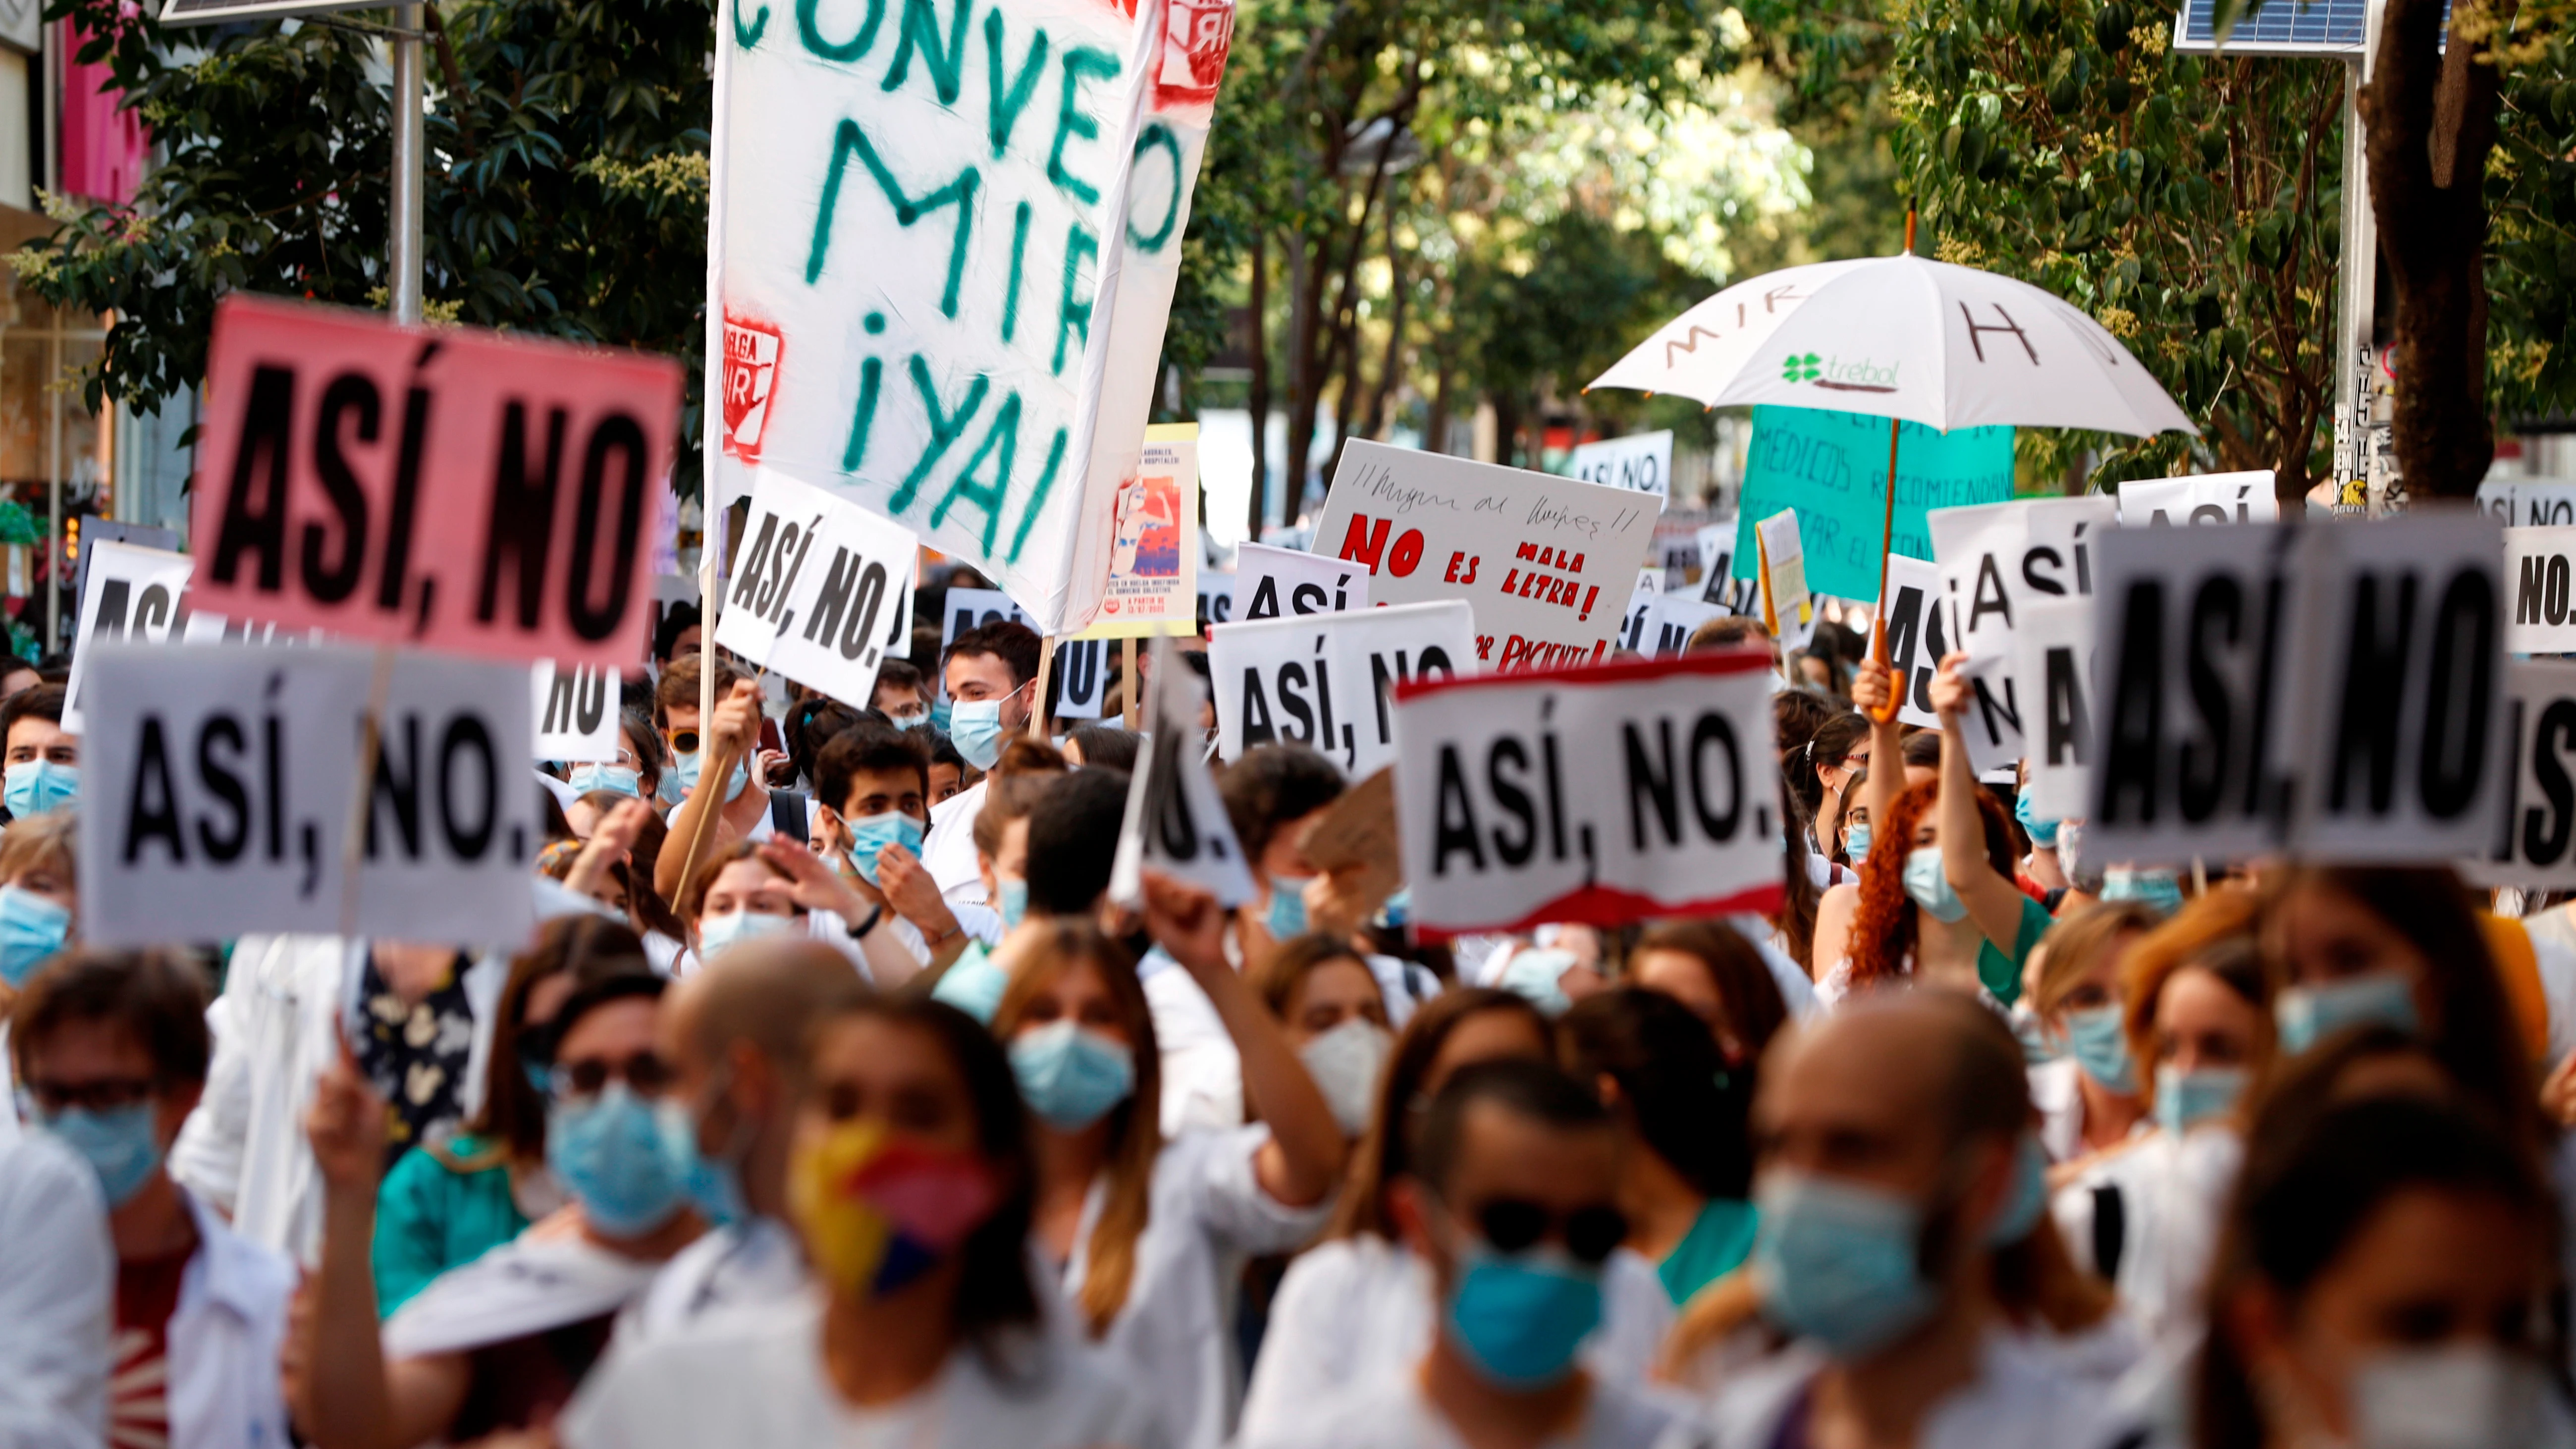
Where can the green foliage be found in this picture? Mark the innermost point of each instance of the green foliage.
(2531, 244)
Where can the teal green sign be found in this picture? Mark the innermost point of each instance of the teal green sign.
(1832, 468)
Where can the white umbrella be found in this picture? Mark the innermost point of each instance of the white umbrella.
(1903, 337)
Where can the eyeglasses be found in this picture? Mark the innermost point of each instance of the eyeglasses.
(107, 1094)
(1513, 1225)
(645, 1074)
(682, 741)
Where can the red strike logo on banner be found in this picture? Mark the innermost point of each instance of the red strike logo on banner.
(445, 487)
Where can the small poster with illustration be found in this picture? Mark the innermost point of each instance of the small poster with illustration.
(1154, 553)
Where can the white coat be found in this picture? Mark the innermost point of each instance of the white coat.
(57, 1297)
(224, 1340)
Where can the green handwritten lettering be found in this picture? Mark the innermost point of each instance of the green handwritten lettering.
(1070, 121)
(810, 30)
(921, 31)
(1019, 254)
(1037, 500)
(1157, 135)
(1072, 313)
(745, 37)
(1003, 436)
(1008, 101)
(960, 193)
(871, 374)
(945, 427)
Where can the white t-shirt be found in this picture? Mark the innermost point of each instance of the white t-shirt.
(1207, 1214)
(1354, 1311)
(2020, 1399)
(2060, 1104)
(753, 1264)
(948, 851)
(2172, 1194)
(1394, 1414)
(757, 1382)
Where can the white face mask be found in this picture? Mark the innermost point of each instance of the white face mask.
(1345, 1063)
(2456, 1397)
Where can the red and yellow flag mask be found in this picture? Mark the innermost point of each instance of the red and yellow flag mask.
(879, 1209)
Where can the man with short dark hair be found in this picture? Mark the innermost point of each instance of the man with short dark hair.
(901, 695)
(744, 804)
(990, 673)
(1512, 1204)
(43, 759)
(872, 788)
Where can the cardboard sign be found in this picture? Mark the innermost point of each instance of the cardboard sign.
(2203, 498)
(131, 594)
(1154, 562)
(1995, 560)
(1324, 681)
(942, 244)
(1546, 562)
(1175, 822)
(1641, 464)
(576, 713)
(2535, 841)
(220, 784)
(1832, 468)
(2053, 663)
(2536, 568)
(1277, 583)
(1607, 795)
(1918, 636)
(1719, 584)
(1357, 840)
(466, 490)
(821, 589)
(1789, 612)
(1080, 679)
(2519, 504)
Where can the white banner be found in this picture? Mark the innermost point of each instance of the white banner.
(2528, 504)
(1995, 559)
(2536, 568)
(1658, 625)
(1918, 636)
(1324, 681)
(821, 589)
(1546, 562)
(2203, 498)
(1609, 795)
(1285, 582)
(1176, 822)
(220, 785)
(1080, 679)
(1216, 597)
(942, 244)
(1717, 581)
(575, 712)
(2535, 842)
(131, 594)
(1642, 463)
(2053, 663)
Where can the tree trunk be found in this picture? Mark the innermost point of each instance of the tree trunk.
(1507, 428)
(1391, 369)
(2432, 118)
(1435, 431)
(1259, 401)
(1305, 326)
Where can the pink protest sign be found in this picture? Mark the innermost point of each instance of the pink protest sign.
(447, 487)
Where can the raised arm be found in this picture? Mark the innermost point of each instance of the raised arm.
(729, 737)
(1993, 901)
(1874, 688)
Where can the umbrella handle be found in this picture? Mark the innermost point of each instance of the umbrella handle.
(1887, 545)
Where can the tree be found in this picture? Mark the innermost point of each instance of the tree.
(565, 191)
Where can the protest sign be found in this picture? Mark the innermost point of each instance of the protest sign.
(1357, 842)
(2518, 503)
(1323, 681)
(1918, 636)
(821, 589)
(2536, 567)
(1216, 599)
(220, 785)
(1608, 794)
(1279, 582)
(2203, 498)
(1660, 624)
(1719, 584)
(95, 531)
(1788, 610)
(966, 609)
(129, 594)
(1832, 468)
(1545, 562)
(1995, 559)
(1632, 620)
(1175, 821)
(1080, 679)
(576, 713)
(1642, 463)
(1154, 564)
(941, 250)
(2537, 827)
(2053, 663)
(445, 486)
(1675, 547)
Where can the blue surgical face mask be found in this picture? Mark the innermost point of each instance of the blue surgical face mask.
(2307, 1015)
(32, 930)
(1287, 917)
(33, 787)
(2028, 1197)
(623, 779)
(2101, 1048)
(975, 726)
(1856, 841)
(920, 721)
(120, 1145)
(615, 1154)
(973, 984)
(2186, 1099)
(682, 777)
(719, 931)
(872, 833)
(2037, 1047)
(1929, 884)
(2042, 833)
(714, 1187)
(1013, 902)
(1839, 1262)
(941, 712)
(1069, 1076)
(1539, 976)
(1519, 1317)
(2160, 889)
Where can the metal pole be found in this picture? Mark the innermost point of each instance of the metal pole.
(2358, 278)
(409, 156)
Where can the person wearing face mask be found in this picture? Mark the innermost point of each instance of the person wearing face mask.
(1328, 1001)
(1512, 1203)
(736, 1040)
(1359, 1306)
(973, 982)
(43, 759)
(989, 672)
(912, 1184)
(1894, 1151)
(750, 892)
(636, 772)
(1273, 795)
(902, 696)
(39, 900)
(872, 785)
(2088, 1092)
(112, 1054)
(712, 814)
(2380, 1284)
(502, 1342)
(1152, 1234)
(1729, 984)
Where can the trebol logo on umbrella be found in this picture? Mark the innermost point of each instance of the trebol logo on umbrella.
(1833, 372)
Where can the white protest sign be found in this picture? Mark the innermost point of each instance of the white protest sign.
(1323, 681)
(1918, 636)
(1216, 598)
(575, 712)
(1636, 789)
(2053, 663)
(1642, 463)
(2537, 828)
(1789, 611)
(1176, 822)
(1545, 562)
(2203, 498)
(1671, 621)
(821, 589)
(2521, 504)
(942, 244)
(1995, 559)
(1718, 583)
(1079, 681)
(1632, 621)
(1154, 555)
(1278, 582)
(219, 786)
(2536, 566)
(131, 594)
